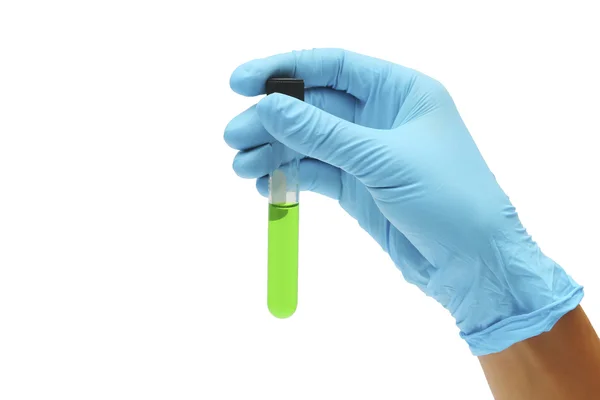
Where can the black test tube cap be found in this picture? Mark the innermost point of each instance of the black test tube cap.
(289, 86)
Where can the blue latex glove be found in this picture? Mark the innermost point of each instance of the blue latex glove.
(388, 143)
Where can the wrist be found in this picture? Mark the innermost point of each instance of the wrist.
(525, 294)
(562, 363)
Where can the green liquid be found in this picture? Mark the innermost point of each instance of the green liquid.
(282, 296)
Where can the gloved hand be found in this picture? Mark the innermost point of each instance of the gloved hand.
(388, 143)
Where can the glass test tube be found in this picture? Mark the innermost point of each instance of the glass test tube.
(282, 280)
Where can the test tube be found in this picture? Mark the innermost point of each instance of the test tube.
(282, 279)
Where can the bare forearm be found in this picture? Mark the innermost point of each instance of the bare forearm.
(563, 363)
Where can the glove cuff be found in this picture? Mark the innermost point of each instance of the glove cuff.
(515, 329)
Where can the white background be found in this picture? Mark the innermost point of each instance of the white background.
(133, 259)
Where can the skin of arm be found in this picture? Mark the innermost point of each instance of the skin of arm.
(561, 364)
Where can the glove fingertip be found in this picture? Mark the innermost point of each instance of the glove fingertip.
(267, 104)
(267, 107)
(262, 185)
(277, 104)
(278, 113)
(229, 134)
(244, 81)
